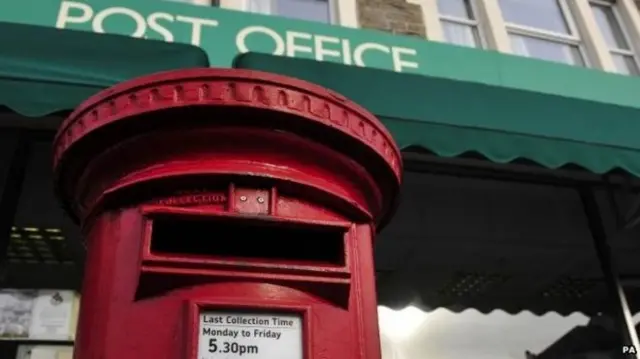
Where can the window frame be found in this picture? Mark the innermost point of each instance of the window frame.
(333, 14)
(334, 19)
(585, 33)
(344, 12)
(475, 23)
(573, 38)
(215, 3)
(633, 50)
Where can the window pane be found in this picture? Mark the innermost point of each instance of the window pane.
(260, 6)
(546, 50)
(463, 35)
(625, 64)
(609, 26)
(541, 14)
(312, 10)
(457, 8)
(200, 2)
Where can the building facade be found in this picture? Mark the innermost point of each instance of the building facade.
(595, 34)
(516, 236)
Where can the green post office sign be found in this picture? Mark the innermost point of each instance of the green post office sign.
(224, 34)
(221, 33)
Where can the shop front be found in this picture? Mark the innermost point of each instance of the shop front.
(516, 232)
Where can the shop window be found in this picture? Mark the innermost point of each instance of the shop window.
(310, 10)
(459, 22)
(473, 267)
(7, 147)
(615, 35)
(38, 207)
(543, 29)
(40, 245)
(42, 232)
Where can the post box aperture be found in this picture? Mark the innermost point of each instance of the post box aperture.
(227, 214)
(254, 239)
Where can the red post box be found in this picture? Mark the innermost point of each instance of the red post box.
(227, 214)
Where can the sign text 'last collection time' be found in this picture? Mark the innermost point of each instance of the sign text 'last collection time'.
(257, 336)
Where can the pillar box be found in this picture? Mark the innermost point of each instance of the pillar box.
(227, 214)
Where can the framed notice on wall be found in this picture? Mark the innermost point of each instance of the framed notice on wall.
(44, 352)
(38, 314)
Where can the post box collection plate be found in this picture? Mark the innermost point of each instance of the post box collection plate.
(232, 335)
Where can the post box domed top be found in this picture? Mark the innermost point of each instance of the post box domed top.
(125, 111)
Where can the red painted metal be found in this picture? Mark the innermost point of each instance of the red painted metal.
(226, 146)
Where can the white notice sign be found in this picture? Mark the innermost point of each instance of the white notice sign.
(51, 315)
(227, 335)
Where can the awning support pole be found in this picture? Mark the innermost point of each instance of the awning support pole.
(622, 313)
(631, 216)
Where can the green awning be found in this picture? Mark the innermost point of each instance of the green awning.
(45, 70)
(450, 117)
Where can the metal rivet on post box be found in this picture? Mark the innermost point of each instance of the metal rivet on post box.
(176, 267)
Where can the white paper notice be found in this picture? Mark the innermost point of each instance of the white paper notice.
(51, 315)
(15, 312)
(228, 335)
(44, 353)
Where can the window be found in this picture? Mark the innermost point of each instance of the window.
(615, 37)
(200, 2)
(542, 29)
(310, 10)
(459, 22)
(490, 281)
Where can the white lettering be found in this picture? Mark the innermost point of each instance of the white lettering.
(360, 50)
(196, 27)
(293, 47)
(152, 20)
(264, 39)
(241, 39)
(398, 62)
(319, 44)
(346, 52)
(98, 20)
(64, 15)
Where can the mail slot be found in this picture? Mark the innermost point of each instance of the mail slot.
(227, 214)
(249, 239)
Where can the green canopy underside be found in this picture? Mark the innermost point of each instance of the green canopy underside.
(503, 147)
(45, 70)
(451, 117)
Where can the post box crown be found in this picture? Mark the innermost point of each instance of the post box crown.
(338, 121)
